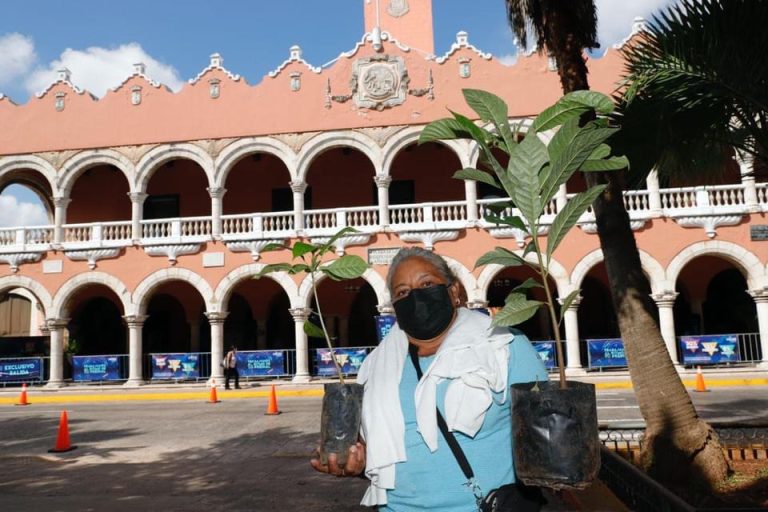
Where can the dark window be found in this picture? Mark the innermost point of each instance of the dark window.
(161, 207)
(282, 199)
(400, 192)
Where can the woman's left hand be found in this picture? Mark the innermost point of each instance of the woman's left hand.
(354, 467)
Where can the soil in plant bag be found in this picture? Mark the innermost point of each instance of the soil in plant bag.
(340, 420)
(556, 441)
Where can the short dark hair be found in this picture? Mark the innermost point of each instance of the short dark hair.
(430, 257)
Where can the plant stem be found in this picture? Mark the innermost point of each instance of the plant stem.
(325, 331)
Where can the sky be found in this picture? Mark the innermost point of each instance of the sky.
(100, 40)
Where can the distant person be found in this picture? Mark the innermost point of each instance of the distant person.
(230, 368)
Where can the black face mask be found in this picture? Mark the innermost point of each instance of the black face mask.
(425, 313)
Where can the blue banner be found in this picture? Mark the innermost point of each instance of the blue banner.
(546, 351)
(21, 369)
(710, 349)
(89, 368)
(606, 353)
(349, 359)
(383, 324)
(175, 366)
(261, 363)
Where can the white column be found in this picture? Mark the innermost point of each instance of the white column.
(561, 197)
(746, 167)
(470, 194)
(56, 361)
(761, 301)
(298, 188)
(217, 194)
(137, 213)
(59, 218)
(34, 318)
(571, 321)
(666, 304)
(654, 193)
(217, 343)
(300, 315)
(382, 189)
(135, 350)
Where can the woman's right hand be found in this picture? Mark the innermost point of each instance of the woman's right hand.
(355, 465)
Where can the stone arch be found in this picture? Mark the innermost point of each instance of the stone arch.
(161, 154)
(328, 140)
(35, 163)
(79, 163)
(556, 271)
(409, 135)
(227, 285)
(652, 268)
(233, 153)
(34, 287)
(65, 292)
(147, 286)
(304, 297)
(749, 264)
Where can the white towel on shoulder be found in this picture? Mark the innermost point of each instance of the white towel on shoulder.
(474, 356)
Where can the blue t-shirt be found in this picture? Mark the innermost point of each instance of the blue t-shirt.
(434, 481)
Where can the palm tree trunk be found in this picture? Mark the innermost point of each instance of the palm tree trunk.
(680, 449)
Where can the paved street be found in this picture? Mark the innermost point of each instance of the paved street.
(188, 455)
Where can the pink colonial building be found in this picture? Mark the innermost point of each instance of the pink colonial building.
(160, 204)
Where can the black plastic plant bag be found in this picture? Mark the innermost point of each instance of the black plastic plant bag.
(340, 420)
(556, 441)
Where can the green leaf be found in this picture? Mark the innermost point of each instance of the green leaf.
(443, 129)
(272, 247)
(569, 215)
(568, 300)
(500, 256)
(602, 151)
(312, 330)
(347, 267)
(302, 248)
(491, 108)
(572, 106)
(515, 222)
(340, 233)
(525, 161)
(468, 173)
(273, 267)
(477, 133)
(299, 267)
(614, 163)
(553, 176)
(527, 285)
(516, 310)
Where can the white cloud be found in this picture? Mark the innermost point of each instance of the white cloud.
(507, 59)
(17, 55)
(98, 69)
(614, 18)
(15, 213)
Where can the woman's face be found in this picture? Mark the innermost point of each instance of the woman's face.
(414, 273)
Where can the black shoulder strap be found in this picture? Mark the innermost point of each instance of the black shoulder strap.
(413, 350)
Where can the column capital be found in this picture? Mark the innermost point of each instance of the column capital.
(665, 299)
(477, 304)
(217, 317)
(382, 181)
(61, 201)
(574, 305)
(300, 314)
(135, 320)
(298, 186)
(386, 309)
(216, 192)
(56, 324)
(760, 294)
(137, 197)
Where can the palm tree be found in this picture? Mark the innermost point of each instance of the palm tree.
(697, 89)
(679, 447)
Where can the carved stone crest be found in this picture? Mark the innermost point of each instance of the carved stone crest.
(397, 8)
(379, 81)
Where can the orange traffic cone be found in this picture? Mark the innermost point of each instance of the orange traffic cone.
(62, 440)
(272, 406)
(700, 386)
(214, 398)
(23, 396)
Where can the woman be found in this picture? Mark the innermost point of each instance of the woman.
(467, 368)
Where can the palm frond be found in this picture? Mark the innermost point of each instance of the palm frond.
(529, 22)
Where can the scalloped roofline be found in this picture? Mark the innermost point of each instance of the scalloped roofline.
(217, 62)
(639, 24)
(294, 56)
(371, 37)
(139, 70)
(63, 77)
(462, 41)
